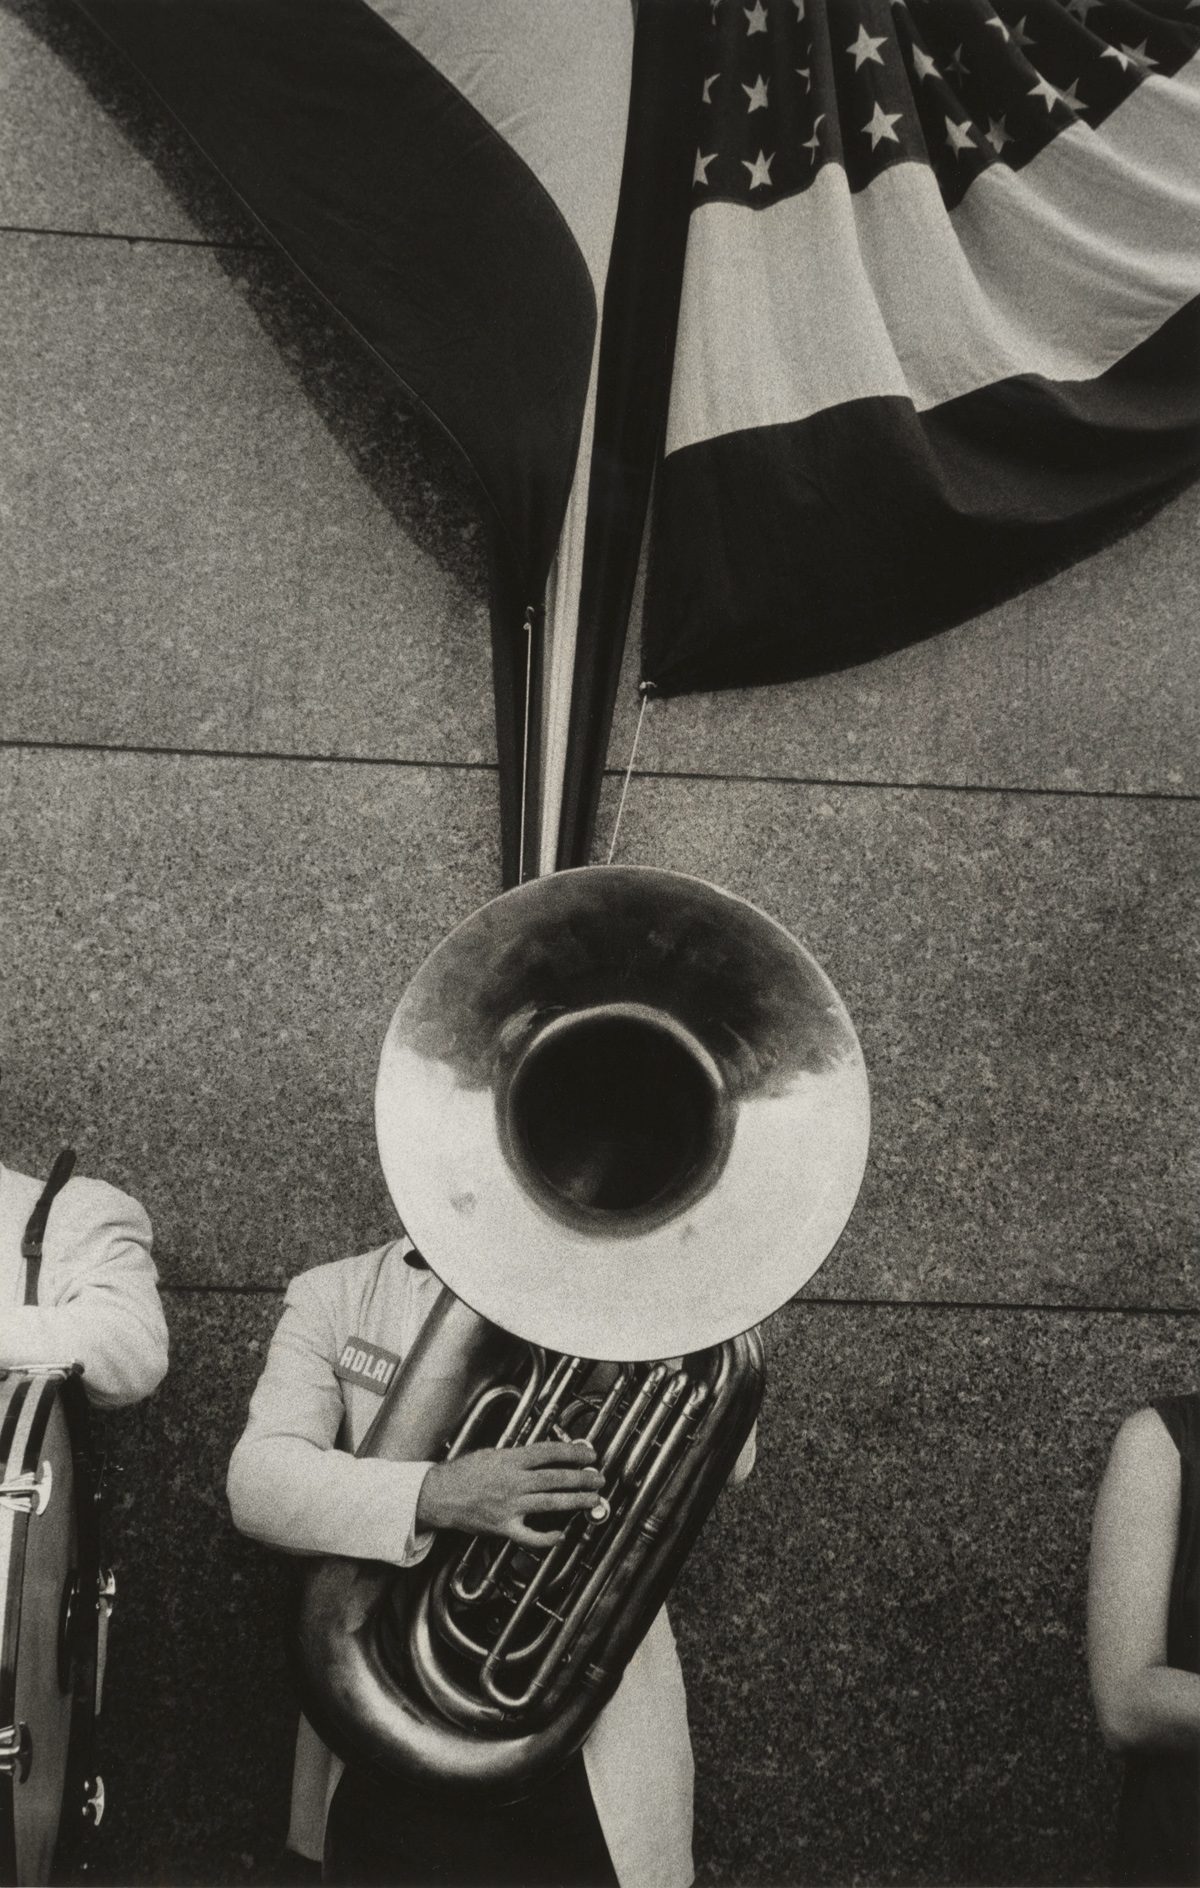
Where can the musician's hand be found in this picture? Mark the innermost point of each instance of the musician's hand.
(492, 1491)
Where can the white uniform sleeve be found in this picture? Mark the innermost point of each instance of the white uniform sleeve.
(98, 1301)
(289, 1485)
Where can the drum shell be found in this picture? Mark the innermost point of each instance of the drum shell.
(49, 1574)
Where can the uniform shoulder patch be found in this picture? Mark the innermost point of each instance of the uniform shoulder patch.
(367, 1364)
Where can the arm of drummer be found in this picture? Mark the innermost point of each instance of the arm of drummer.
(98, 1298)
(1141, 1701)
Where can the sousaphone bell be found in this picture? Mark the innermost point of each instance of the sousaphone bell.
(624, 1116)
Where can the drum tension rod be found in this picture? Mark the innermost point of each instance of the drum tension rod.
(93, 1801)
(16, 1751)
(29, 1492)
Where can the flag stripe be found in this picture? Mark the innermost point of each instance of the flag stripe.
(1057, 270)
(787, 550)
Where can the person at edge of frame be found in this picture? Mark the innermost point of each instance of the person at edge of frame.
(621, 1810)
(1144, 1638)
(78, 1284)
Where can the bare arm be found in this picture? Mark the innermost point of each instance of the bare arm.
(741, 1470)
(1141, 1701)
(495, 1491)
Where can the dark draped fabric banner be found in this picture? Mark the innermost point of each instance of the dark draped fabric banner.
(640, 307)
(445, 177)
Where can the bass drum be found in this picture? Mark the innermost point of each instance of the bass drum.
(52, 1605)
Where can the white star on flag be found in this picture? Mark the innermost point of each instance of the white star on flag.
(700, 174)
(926, 67)
(1081, 8)
(1000, 27)
(805, 72)
(1069, 99)
(996, 135)
(955, 63)
(760, 170)
(1044, 89)
(1019, 34)
(756, 17)
(881, 124)
(958, 137)
(757, 94)
(865, 48)
(706, 95)
(799, 6)
(1139, 55)
(812, 145)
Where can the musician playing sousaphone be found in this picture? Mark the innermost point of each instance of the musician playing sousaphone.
(294, 1483)
(589, 1103)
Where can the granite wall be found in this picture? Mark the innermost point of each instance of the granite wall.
(246, 770)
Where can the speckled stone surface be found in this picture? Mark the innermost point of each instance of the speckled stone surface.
(202, 957)
(224, 531)
(883, 1633)
(1088, 682)
(85, 146)
(1020, 972)
(198, 962)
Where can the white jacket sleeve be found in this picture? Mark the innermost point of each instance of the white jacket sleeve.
(289, 1485)
(98, 1301)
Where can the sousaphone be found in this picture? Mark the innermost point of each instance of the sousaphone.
(624, 1116)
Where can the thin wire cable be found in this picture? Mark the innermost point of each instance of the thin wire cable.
(637, 735)
(525, 744)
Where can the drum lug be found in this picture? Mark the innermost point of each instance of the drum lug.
(93, 1801)
(106, 1592)
(29, 1493)
(53, 1373)
(16, 1751)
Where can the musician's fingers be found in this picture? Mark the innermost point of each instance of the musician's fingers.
(546, 1454)
(547, 1480)
(564, 1503)
(530, 1537)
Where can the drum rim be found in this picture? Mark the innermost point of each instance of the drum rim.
(49, 1388)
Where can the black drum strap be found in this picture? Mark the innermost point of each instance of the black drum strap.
(35, 1231)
